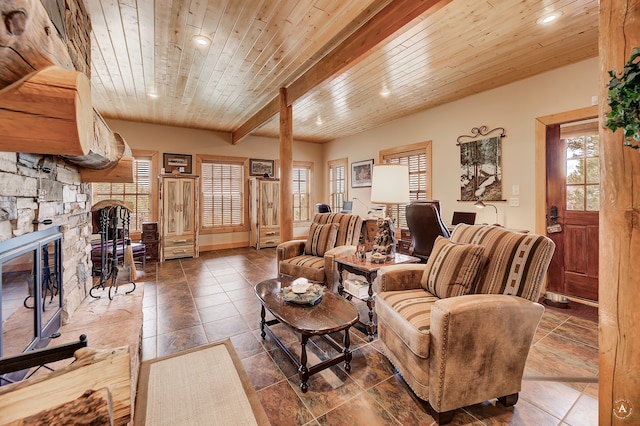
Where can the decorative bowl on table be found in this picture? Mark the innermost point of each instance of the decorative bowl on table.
(303, 294)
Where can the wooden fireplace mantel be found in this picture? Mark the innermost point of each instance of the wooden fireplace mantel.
(45, 105)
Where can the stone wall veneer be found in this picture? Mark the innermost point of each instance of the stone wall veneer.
(28, 194)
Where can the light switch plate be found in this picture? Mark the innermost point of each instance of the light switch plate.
(515, 190)
(514, 201)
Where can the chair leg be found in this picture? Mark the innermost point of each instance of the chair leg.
(509, 400)
(441, 418)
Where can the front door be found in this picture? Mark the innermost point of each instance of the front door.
(573, 202)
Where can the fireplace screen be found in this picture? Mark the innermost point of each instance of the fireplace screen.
(30, 290)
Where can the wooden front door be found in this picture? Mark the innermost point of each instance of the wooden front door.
(573, 204)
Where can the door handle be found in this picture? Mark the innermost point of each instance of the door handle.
(552, 226)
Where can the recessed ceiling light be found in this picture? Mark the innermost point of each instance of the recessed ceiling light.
(549, 18)
(385, 92)
(152, 95)
(319, 120)
(201, 40)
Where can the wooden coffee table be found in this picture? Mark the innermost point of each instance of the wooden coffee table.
(368, 270)
(333, 313)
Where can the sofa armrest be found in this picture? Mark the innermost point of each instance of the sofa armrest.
(340, 251)
(289, 249)
(479, 346)
(399, 277)
(330, 269)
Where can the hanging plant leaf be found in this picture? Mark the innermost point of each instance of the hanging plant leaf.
(624, 101)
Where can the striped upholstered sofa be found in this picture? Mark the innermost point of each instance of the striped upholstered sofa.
(331, 235)
(459, 327)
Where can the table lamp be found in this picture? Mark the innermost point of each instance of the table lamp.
(389, 185)
(481, 205)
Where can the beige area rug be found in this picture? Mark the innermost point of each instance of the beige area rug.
(206, 385)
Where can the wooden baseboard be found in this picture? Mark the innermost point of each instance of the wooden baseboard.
(213, 247)
(576, 299)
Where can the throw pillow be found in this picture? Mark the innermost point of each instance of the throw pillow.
(321, 238)
(451, 268)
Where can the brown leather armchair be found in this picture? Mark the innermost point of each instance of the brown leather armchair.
(293, 259)
(425, 225)
(459, 328)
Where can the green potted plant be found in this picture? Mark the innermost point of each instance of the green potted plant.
(624, 100)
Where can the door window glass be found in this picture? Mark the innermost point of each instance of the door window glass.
(583, 173)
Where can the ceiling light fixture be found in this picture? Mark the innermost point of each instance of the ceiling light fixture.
(152, 95)
(319, 121)
(549, 18)
(385, 92)
(201, 40)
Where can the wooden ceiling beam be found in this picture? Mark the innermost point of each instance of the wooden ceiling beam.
(258, 119)
(354, 48)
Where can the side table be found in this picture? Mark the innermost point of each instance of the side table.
(368, 270)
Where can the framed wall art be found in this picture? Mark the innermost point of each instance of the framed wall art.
(481, 165)
(361, 172)
(179, 162)
(260, 167)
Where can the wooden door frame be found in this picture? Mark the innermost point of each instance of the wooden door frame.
(541, 157)
(541, 124)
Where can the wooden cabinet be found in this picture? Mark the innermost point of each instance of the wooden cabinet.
(151, 239)
(404, 243)
(369, 232)
(264, 200)
(179, 204)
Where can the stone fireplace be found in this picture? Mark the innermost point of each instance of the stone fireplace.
(39, 192)
(31, 293)
(51, 188)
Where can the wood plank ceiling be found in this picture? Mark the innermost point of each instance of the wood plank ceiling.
(143, 48)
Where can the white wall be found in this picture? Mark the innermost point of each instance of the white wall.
(182, 140)
(514, 107)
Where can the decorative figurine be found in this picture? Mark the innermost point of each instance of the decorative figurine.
(385, 240)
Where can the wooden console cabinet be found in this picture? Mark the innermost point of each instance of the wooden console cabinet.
(179, 205)
(404, 243)
(370, 230)
(264, 199)
(151, 240)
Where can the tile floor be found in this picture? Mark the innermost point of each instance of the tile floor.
(191, 302)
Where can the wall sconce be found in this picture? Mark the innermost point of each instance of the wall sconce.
(481, 205)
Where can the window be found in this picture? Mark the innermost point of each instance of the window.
(139, 195)
(418, 158)
(583, 168)
(337, 183)
(301, 191)
(222, 185)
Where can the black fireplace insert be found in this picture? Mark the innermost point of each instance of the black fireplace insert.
(30, 291)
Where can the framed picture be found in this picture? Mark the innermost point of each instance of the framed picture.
(361, 172)
(179, 162)
(481, 170)
(260, 167)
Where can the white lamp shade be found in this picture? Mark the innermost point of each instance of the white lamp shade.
(390, 184)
